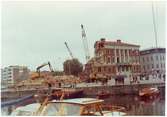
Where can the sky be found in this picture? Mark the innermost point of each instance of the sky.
(34, 32)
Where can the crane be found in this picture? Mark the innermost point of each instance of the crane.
(68, 50)
(85, 44)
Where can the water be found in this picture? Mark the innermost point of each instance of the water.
(132, 103)
(136, 106)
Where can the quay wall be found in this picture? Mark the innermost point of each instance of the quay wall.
(121, 89)
(91, 90)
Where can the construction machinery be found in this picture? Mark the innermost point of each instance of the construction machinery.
(69, 50)
(37, 74)
(85, 44)
(92, 61)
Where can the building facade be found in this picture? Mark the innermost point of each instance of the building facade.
(114, 58)
(13, 74)
(153, 60)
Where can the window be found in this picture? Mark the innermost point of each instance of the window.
(160, 57)
(126, 53)
(104, 69)
(109, 69)
(152, 65)
(147, 78)
(147, 58)
(148, 67)
(99, 69)
(157, 66)
(121, 52)
(107, 51)
(151, 58)
(108, 60)
(161, 65)
(157, 57)
(112, 60)
(143, 59)
(123, 69)
(126, 68)
(144, 68)
(117, 51)
(117, 59)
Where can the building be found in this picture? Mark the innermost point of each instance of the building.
(114, 58)
(153, 60)
(13, 74)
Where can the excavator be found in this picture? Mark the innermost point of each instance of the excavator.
(38, 74)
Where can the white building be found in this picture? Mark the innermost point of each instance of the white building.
(13, 74)
(153, 60)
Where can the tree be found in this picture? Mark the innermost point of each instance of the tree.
(72, 67)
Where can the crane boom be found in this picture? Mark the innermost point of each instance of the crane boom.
(68, 50)
(85, 44)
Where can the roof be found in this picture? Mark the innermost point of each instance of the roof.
(120, 44)
(28, 108)
(82, 101)
(116, 43)
(152, 50)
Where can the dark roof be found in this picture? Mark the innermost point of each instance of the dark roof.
(153, 50)
(116, 43)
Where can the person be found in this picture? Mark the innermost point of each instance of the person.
(49, 88)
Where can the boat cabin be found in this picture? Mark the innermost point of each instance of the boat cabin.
(68, 107)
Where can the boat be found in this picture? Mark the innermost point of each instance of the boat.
(103, 94)
(67, 107)
(57, 93)
(149, 92)
(68, 93)
(25, 99)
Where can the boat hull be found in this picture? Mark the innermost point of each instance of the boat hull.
(68, 94)
(149, 93)
(103, 96)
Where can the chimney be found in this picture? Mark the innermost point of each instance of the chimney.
(118, 41)
(103, 39)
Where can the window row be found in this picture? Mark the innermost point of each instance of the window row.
(152, 66)
(151, 58)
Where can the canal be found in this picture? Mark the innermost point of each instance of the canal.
(132, 103)
(135, 106)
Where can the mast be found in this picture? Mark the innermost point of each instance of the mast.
(154, 23)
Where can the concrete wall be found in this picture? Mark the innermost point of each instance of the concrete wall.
(121, 89)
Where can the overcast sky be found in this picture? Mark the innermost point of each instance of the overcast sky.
(35, 32)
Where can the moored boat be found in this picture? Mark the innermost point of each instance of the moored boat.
(103, 94)
(56, 94)
(68, 93)
(67, 107)
(149, 92)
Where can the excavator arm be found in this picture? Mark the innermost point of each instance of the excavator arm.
(41, 66)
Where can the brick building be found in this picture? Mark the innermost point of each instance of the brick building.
(114, 58)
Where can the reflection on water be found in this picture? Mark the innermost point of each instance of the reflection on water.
(133, 104)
